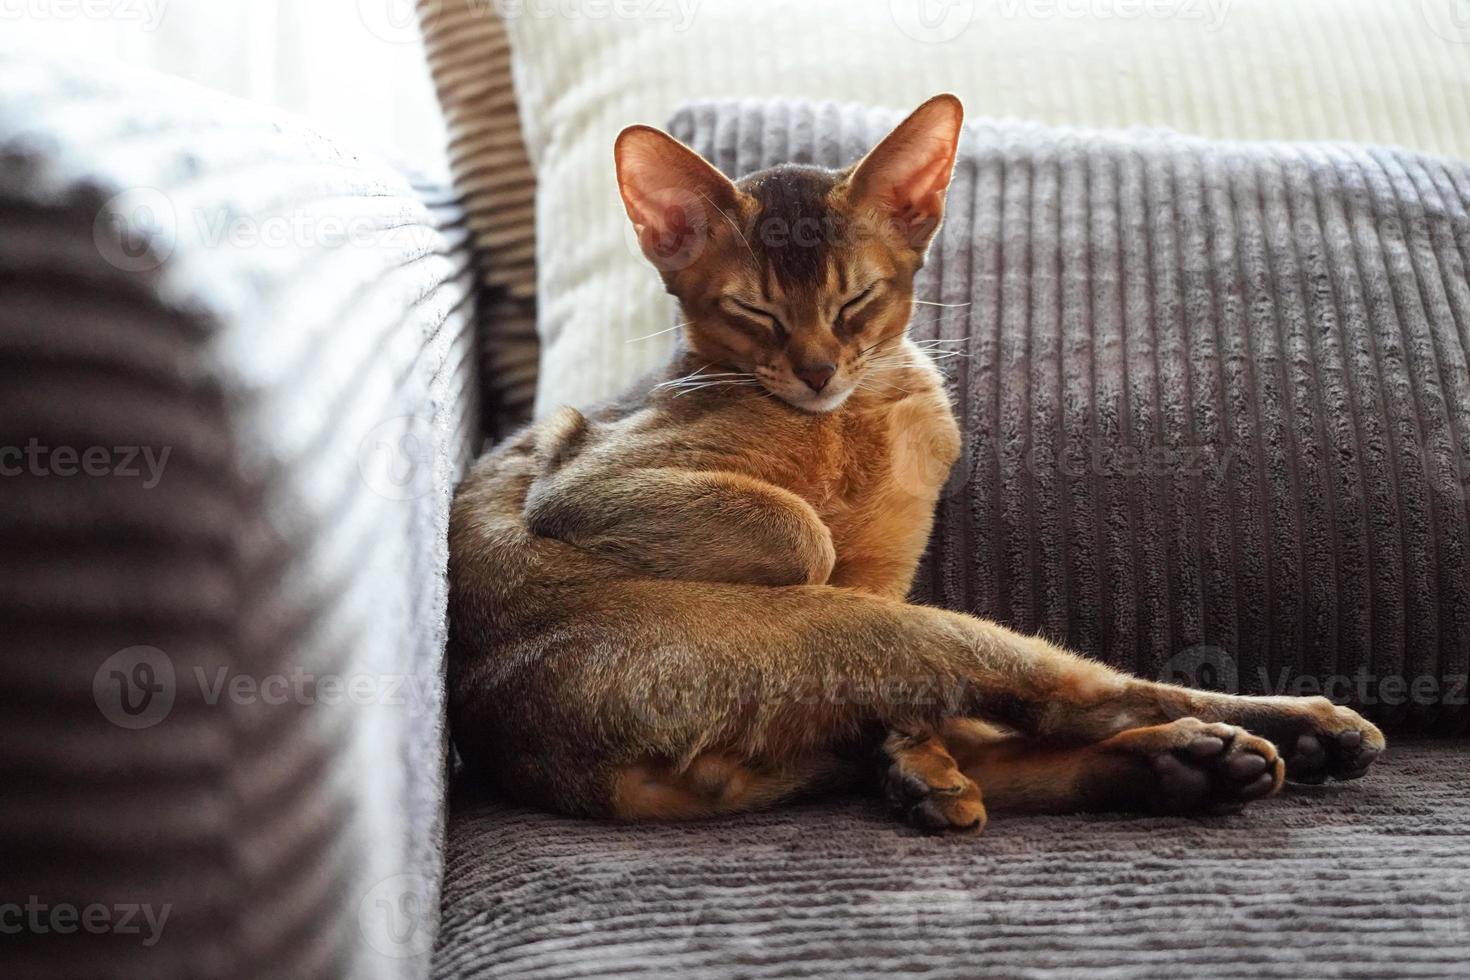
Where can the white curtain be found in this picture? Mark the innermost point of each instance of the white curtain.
(354, 67)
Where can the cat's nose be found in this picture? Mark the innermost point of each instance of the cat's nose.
(816, 376)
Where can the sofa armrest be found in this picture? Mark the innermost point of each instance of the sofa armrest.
(237, 385)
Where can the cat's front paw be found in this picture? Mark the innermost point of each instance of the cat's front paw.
(1191, 766)
(1329, 741)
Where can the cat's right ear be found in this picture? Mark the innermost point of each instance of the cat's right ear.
(669, 192)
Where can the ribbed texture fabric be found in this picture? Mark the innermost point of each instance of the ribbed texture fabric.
(1359, 880)
(1366, 70)
(469, 56)
(181, 273)
(1215, 398)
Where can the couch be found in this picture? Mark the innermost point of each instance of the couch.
(225, 750)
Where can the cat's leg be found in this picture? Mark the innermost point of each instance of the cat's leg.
(613, 672)
(1183, 766)
(708, 526)
(716, 783)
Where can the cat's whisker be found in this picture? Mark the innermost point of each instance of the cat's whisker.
(885, 340)
(926, 302)
(692, 378)
(944, 319)
(699, 375)
(658, 333)
(712, 384)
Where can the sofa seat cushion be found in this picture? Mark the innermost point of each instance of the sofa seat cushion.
(1361, 879)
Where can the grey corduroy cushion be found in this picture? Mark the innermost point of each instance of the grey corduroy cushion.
(1215, 398)
(221, 686)
(1368, 880)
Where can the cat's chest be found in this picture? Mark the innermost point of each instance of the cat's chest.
(879, 499)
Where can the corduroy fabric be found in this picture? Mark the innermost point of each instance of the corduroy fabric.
(1365, 880)
(292, 325)
(1215, 398)
(470, 58)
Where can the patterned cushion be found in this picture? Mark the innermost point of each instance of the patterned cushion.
(469, 55)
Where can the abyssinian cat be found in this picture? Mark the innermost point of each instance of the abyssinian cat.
(692, 601)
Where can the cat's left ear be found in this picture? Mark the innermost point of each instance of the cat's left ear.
(905, 176)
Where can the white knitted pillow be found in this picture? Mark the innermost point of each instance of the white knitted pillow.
(1367, 70)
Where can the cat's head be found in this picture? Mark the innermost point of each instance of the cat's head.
(798, 275)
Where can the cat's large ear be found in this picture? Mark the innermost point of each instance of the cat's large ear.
(669, 192)
(905, 176)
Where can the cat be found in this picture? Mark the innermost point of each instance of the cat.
(692, 601)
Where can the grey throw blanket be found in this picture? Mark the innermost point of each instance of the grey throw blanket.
(1215, 398)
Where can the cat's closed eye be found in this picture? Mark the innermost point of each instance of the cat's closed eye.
(750, 313)
(851, 306)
